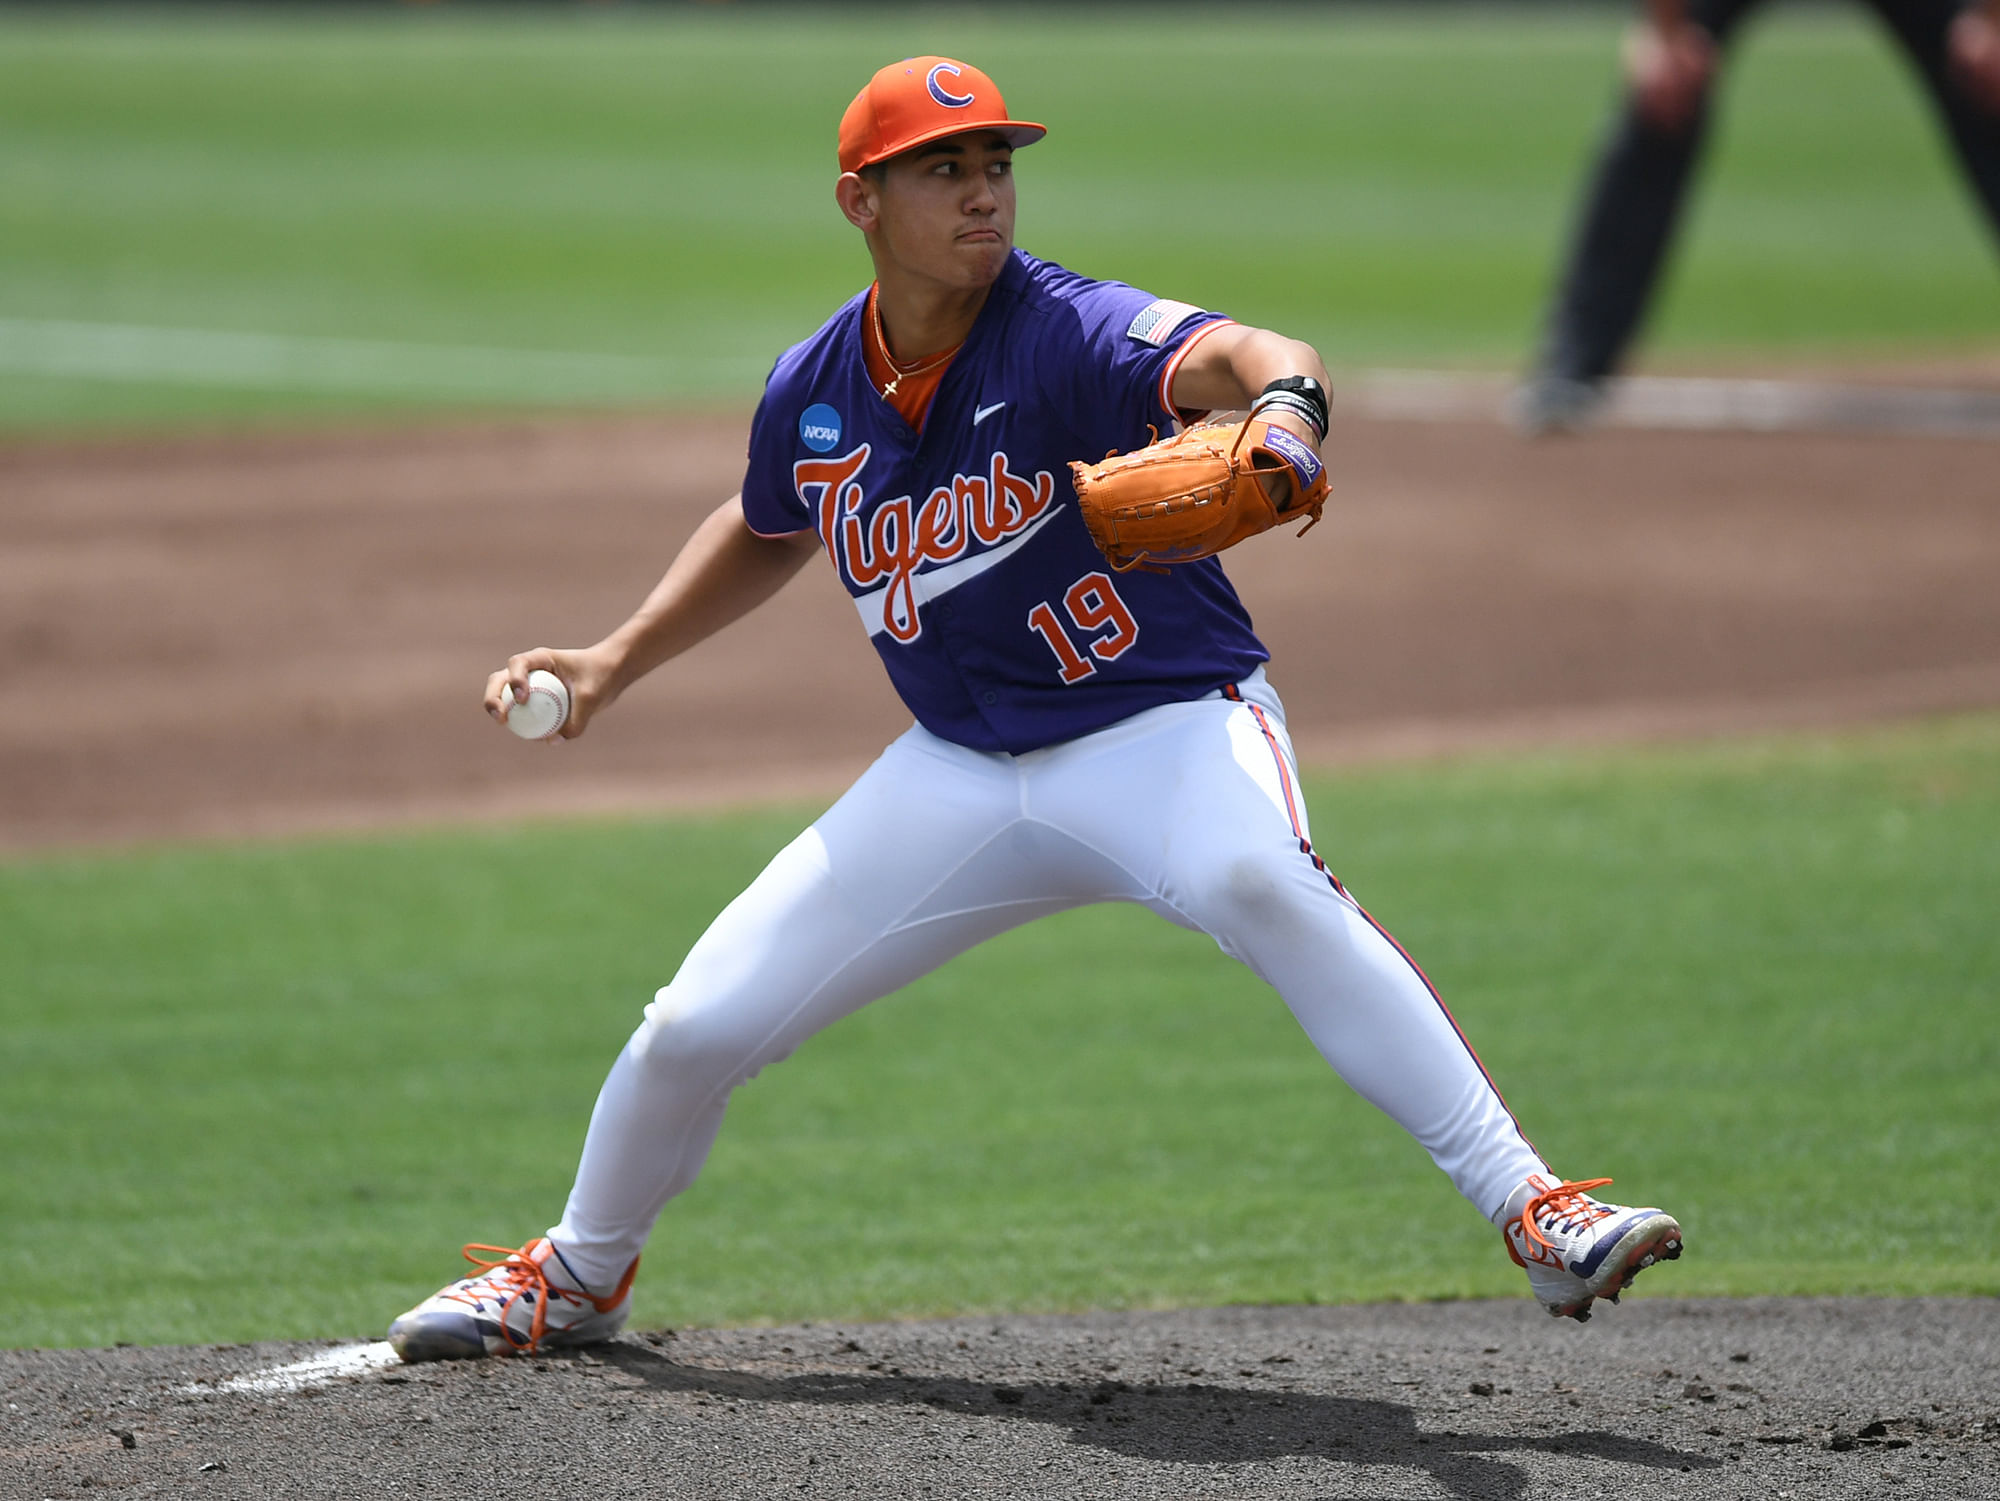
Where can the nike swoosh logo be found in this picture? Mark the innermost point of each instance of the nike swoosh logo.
(928, 586)
(984, 412)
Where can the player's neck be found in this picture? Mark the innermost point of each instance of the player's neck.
(923, 318)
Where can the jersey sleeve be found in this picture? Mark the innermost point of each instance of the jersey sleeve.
(1112, 356)
(771, 503)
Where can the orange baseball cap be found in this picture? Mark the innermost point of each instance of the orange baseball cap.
(924, 99)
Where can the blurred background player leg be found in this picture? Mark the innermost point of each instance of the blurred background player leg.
(1630, 207)
(1955, 49)
(1640, 181)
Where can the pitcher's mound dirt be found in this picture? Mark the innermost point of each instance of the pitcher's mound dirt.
(1819, 1398)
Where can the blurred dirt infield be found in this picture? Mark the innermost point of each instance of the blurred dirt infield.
(266, 635)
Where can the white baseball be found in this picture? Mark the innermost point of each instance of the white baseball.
(545, 711)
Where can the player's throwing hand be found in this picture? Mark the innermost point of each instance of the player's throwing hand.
(509, 687)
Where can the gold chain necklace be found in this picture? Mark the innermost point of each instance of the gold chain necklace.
(919, 368)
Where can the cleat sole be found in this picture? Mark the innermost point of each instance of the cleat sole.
(1620, 1273)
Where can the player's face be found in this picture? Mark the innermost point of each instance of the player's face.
(947, 209)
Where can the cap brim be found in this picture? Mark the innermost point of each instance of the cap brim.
(1018, 133)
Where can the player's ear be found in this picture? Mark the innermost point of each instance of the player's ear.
(859, 201)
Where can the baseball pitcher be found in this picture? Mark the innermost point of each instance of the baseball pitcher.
(1022, 477)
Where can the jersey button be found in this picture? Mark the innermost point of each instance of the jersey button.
(945, 612)
(990, 696)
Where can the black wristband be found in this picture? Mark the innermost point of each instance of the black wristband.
(1308, 399)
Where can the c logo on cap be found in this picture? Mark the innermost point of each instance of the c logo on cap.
(940, 93)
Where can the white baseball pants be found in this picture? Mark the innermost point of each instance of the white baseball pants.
(1191, 809)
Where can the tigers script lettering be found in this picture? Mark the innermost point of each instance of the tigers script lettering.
(892, 544)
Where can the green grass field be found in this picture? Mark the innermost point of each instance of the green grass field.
(615, 207)
(266, 1091)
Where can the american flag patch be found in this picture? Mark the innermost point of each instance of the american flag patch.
(1157, 321)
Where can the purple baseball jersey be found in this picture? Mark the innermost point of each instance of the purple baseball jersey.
(1001, 624)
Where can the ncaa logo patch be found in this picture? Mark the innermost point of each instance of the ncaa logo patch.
(940, 93)
(819, 427)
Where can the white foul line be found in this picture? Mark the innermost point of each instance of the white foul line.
(314, 1370)
(1699, 403)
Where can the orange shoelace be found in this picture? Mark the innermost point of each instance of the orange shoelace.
(1566, 1202)
(512, 1274)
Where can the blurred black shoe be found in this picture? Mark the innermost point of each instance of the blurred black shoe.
(1546, 405)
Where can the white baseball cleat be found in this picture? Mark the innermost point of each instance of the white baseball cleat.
(524, 1301)
(1575, 1249)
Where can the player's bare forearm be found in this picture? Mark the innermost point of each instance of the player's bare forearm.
(721, 573)
(1228, 368)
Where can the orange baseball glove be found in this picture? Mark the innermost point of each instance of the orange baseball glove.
(1198, 492)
